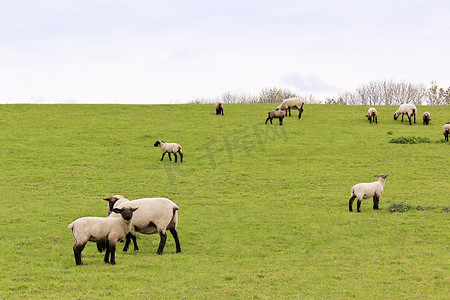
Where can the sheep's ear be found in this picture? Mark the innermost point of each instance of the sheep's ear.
(117, 210)
(134, 209)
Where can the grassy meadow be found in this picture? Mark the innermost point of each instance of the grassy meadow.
(263, 208)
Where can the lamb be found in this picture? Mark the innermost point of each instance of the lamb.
(406, 109)
(295, 103)
(155, 215)
(95, 229)
(426, 118)
(372, 115)
(280, 114)
(446, 130)
(219, 108)
(367, 190)
(169, 148)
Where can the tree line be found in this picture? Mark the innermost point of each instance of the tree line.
(386, 92)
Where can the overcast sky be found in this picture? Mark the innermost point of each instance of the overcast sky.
(129, 51)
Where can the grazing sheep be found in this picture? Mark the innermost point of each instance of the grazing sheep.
(367, 190)
(280, 114)
(155, 215)
(169, 148)
(95, 229)
(426, 118)
(446, 130)
(295, 103)
(372, 115)
(406, 109)
(219, 108)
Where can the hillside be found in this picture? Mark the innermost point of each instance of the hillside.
(263, 208)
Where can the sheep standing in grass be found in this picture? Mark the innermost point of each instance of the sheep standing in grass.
(219, 108)
(169, 148)
(406, 109)
(446, 130)
(294, 103)
(426, 118)
(107, 230)
(279, 114)
(155, 215)
(367, 190)
(372, 115)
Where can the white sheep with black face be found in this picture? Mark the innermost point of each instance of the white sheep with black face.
(368, 190)
(155, 215)
(408, 109)
(372, 115)
(294, 103)
(105, 230)
(446, 130)
(169, 148)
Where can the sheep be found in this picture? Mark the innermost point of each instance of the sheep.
(406, 109)
(372, 115)
(155, 215)
(426, 118)
(280, 114)
(169, 148)
(446, 130)
(96, 229)
(367, 190)
(295, 103)
(219, 108)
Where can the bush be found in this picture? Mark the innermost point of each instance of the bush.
(399, 207)
(410, 140)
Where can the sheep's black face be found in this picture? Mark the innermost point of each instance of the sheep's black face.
(126, 213)
(395, 117)
(156, 144)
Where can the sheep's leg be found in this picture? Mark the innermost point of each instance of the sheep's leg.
(77, 253)
(376, 119)
(350, 203)
(289, 109)
(359, 206)
(112, 249)
(100, 246)
(375, 202)
(268, 118)
(281, 121)
(402, 117)
(300, 110)
(181, 156)
(271, 122)
(128, 239)
(409, 118)
(174, 233)
(175, 157)
(162, 242)
(106, 259)
(164, 153)
(170, 157)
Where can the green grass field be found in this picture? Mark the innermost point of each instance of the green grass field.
(263, 208)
